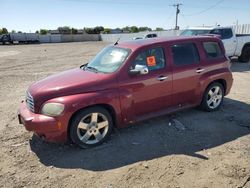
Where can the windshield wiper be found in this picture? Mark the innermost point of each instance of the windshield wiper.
(92, 68)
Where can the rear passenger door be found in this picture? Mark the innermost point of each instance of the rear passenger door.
(186, 73)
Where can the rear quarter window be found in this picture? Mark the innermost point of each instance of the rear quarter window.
(212, 50)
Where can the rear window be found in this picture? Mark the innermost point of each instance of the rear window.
(224, 33)
(185, 54)
(212, 49)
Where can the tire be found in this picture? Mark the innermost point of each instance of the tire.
(245, 55)
(213, 97)
(91, 127)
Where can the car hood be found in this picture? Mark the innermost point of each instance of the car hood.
(70, 82)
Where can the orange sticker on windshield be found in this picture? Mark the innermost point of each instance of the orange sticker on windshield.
(151, 61)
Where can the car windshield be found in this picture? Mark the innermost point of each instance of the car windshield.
(192, 32)
(108, 60)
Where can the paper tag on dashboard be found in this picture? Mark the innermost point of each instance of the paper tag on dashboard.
(151, 61)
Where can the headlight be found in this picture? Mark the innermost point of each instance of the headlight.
(52, 109)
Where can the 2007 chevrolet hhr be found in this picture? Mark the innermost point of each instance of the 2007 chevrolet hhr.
(126, 83)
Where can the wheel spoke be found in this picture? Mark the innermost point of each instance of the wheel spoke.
(219, 97)
(98, 136)
(94, 117)
(102, 124)
(210, 92)
(217, 103)
(209, 101)
(85, 137)
(213, 104)
(217, 89)
(83, 125)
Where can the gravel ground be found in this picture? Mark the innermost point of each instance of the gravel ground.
(191, 148)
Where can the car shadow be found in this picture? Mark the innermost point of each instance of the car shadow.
(237, 66)
(187, 133)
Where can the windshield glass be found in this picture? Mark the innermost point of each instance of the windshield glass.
(108, 60)
(192, 32)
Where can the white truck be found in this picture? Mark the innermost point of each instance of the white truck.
(235, 44)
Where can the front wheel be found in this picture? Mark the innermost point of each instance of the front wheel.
(213, 97)
(91, 127)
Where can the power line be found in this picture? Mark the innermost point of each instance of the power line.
(205, 10)
(113, 2)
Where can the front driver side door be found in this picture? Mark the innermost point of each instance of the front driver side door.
(142, 95)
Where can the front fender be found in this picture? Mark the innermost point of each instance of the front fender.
(76, 102)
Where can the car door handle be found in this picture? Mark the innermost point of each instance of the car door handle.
(199, 70)
(161, 78)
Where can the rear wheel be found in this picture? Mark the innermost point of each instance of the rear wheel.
(91, 127)
(213, 97)
(245, 54)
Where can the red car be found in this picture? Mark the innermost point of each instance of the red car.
(126, 83)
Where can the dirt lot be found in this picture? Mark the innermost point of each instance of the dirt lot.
(187, 149)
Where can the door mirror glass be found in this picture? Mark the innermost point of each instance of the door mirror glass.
(139, 69)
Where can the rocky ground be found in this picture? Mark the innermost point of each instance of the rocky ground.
(191, 148)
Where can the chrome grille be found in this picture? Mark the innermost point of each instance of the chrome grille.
(30, 102)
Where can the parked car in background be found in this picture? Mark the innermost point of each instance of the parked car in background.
(150, 35)
(126, 83)
(235, 45)
(147, 36)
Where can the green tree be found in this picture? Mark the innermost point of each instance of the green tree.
(88, 30)
(126, 29)
(107, 30)
(134, 29)
(95, 30)
(159, 29)
(13, 31)
(43, 31)
(3, 31)
(98, 29)
(74, 31)
(64, 30)
(144, 29)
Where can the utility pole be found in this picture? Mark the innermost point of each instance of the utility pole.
(177, 5)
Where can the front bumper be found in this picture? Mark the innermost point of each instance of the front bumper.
(49, 128)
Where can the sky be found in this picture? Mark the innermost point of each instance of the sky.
(32, 15)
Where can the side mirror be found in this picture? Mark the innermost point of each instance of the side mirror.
(139, 69)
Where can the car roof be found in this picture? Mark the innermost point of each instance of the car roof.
(135, 44)
(207, 28)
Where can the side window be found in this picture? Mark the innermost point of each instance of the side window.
(224, 33)
(153, 58)
(216, 32)
(212, 49)
(185, 54)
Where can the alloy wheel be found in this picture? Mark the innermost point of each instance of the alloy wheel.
(92, 128)
(214, 97)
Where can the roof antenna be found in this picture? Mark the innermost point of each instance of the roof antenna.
(117, 41)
